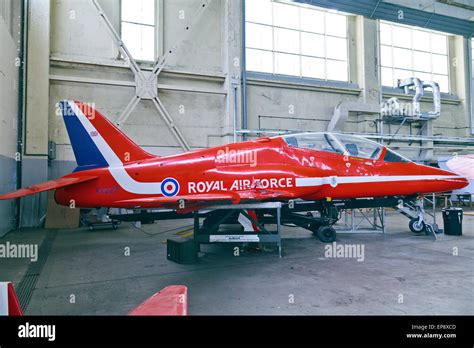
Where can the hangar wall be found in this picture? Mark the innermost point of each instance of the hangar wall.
(82, 62)
(84, 66)
(8, 111)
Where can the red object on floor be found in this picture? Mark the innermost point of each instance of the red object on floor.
(172, 300)
(9, 304)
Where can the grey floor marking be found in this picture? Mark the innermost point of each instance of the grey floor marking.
(28, 282)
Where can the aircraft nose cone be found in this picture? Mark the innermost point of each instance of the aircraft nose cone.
(450, 181)
(458, 182)
(463, 182)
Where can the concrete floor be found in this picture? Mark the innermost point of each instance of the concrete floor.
(92, 267)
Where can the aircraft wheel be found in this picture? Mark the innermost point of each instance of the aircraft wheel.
(326, 234)
(416, 226)
(314, 227)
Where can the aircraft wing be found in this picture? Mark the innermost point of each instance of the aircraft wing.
(201, 200)
(264, 194)
(206, 198)
(46, 186)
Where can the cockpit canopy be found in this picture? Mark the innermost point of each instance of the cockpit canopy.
(344, 144)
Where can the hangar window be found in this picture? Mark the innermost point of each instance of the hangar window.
(297, 40)
(411, 52)
(138, 28)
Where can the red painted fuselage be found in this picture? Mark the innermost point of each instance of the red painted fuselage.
(269, 165)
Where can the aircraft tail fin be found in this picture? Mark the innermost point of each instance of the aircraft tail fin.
(95, 140)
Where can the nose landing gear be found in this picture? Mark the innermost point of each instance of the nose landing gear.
(416, 225)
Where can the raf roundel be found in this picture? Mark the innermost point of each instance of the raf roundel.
(170, 187)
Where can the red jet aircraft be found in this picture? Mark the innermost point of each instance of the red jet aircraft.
(114, 172)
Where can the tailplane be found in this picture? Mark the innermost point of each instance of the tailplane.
(95, 140)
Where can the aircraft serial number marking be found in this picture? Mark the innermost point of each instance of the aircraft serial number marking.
(107, 190)
(239, 185)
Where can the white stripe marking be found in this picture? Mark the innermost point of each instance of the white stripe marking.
(319, 181)
(246, 223)
(116, 168)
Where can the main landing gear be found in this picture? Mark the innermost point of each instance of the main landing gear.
(326, 234)
(316, 217)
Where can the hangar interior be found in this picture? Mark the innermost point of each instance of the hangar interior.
(227, 71)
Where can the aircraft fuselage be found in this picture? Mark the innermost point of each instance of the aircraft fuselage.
(253, 168)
